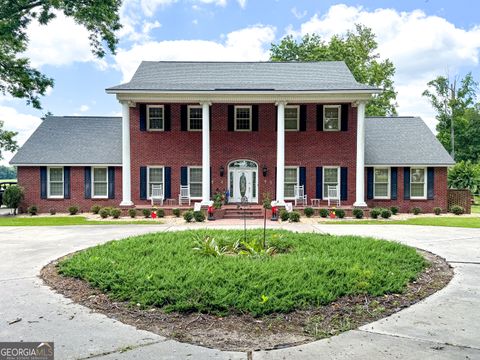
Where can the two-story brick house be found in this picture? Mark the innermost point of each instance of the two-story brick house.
(213, 125)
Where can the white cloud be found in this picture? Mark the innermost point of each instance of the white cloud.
(420, 46)
(150, 6)
(215, 2)
(84, 108)
(298, 14)
(242, 3)
(248, 44)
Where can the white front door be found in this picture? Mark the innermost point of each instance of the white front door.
(243, 183)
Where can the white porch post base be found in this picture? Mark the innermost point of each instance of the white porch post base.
(205, 153)
(360, 176)
(280, 153)
(126, 176)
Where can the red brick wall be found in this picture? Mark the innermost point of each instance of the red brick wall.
(29, 178)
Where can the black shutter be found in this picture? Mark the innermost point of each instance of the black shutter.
(143, 117)
(66, 182)
(303, 178)
(87, 182)
(369, 183)
(43, 182)
(319, 182)
(183, 117)
(184, 176)
(303, 118)
(275, 184)
(276, 119)
(167, 126)
(319, 117)
(344, 117)
(168, 183)
(430, 183)
(210, 182)
(231, 118)
(254, 117)
(393, 183)
(143, 183)
(343, 183)
(210, 117)
(111, 182)
(406, 183)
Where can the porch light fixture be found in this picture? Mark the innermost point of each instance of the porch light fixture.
(222, 171)
(264, 170)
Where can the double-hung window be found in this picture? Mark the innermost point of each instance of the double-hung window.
(331, 177)
(195, 182)
(243, 118)
(194, 118)
(381, 183)
(155, 177)
(290, 181)
(100, 182)
(155, 117)
(55, 182)
(292, 117)
(331, 117)
(418, 183)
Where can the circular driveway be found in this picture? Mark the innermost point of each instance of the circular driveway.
(443, 326)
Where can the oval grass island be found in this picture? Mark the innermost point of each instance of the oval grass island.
(220, 289)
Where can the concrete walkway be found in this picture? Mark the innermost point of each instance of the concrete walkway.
(444, 326)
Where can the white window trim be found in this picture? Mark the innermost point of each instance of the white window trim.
(235, 116)
(188, 182)
(93, 182)
(148, 116)
(325, 196)
(388, 183)
(148, 179)
(298, 180)
(298, 117)
(339, 107)
(48, 183)
(425, 181)
(188, 116)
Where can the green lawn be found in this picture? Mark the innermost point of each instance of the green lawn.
(64, 220)
(466, 222)
(163, 270)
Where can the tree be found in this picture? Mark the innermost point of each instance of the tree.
(12, 197)
(17, 77)
(7, 141)
(359, 51)
(7, 172)
(465, 175)
(452, 101)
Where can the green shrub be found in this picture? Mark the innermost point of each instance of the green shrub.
(340, 213)
(176, 212)
(146, 213)
(73, 210)
(308, 211)
(416, 210)
(52, 211)
(132, 213)
(104, 213)
(218, 200)
(95, 209)
(188, 216)
(32, 210)
(386, 214)
(284, 215)
(108, 209)
(160, 213)
(465, 175)
(375, 213)
(457, 210)
(294, 216)
(323, 213)
(116, 213)
(394, 210)
(357, 213)
(199, 216)
(267, 201)
(437, 210)
(12, 197)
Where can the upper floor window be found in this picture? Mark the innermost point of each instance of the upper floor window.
(195, 182)
(381, 183)
(100, 182)
(331, 117)
(155, 117)
(290, 181)
(292, 117)
(55, 182)
(243, 118)
(331, 177)
(155, 177)
(194, 118)
(418, 185)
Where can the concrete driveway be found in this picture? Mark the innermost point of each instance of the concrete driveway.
(444, 326)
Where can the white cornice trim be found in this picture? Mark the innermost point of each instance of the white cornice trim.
(73, 165)
(408, 165)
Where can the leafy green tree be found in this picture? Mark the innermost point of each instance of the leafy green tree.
(12, 197)
(17, 77)
(8, 172)
(7, 141)
(359, 51)
(453, 101)
(465, 175)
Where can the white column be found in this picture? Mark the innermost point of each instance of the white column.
(360, 176)
(280, 152)
(205, 152)
(126, 171)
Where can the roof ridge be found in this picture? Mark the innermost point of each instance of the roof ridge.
(240, 62)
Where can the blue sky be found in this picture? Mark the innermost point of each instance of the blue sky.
(423, 39)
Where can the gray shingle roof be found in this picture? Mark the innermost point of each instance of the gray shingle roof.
(242, 76)
(402, 141)
(73, 140)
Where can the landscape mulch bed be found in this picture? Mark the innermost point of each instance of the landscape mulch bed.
(243, 332)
